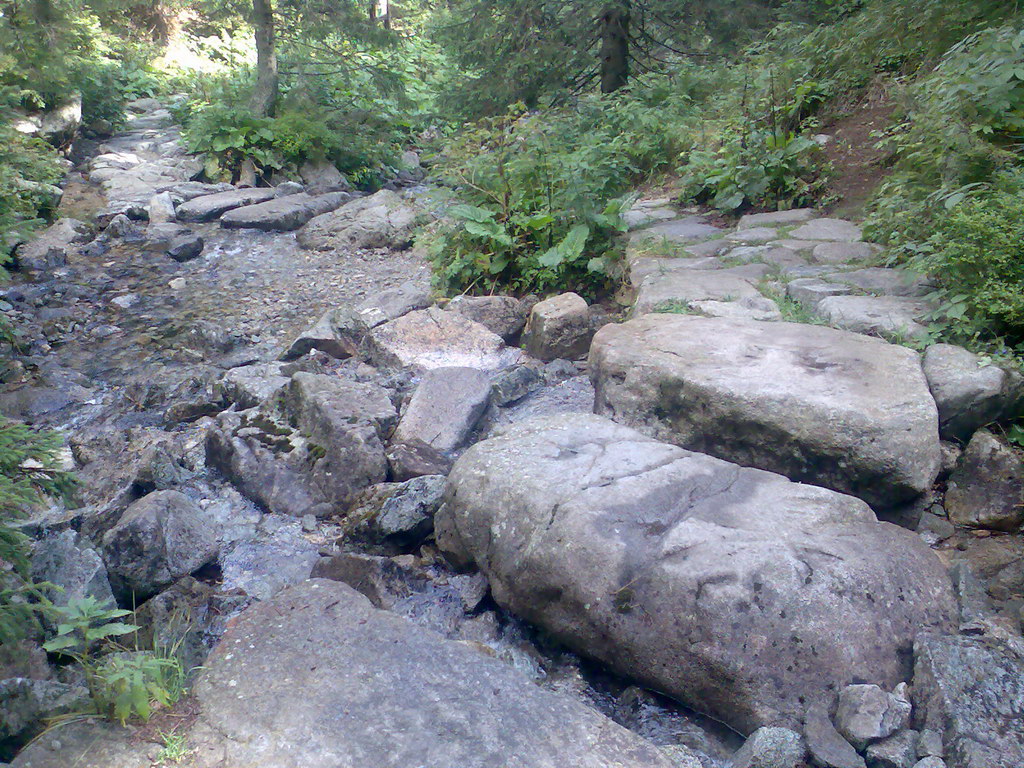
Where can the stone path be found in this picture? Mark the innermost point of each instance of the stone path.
(261, 389)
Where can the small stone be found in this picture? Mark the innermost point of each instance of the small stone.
(931, 762)
(178, 284)
(289, 188)
(866, 714)
(559, 327)
(407, 517)
(515, 384)
(308, 523)
(771, 748)
(828, 749)
(897, 751)
(503, 315)
(929, 744)
(127, 301)
(185, 248)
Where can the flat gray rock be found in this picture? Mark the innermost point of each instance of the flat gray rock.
(887, 316)
(641, 267)
(681, 287)
(432, 338)
(808, 292)
(382, 220)
(283, 214)
(685, 230)
(341, 684)
(736, 591)
(837, 409)
(753, 235)
(844, 253)
(776, 218)
(828, 229)
(210, 207)
(884, 281)
(752, 308)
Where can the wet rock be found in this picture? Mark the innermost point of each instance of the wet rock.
(828, 229)
(986, 490)
(887, 316)
(73, 566)
(309, 451)
(339, 333)
(26, 704)
(648, 558)
(159, 237)
(160, 538)
(250, 385)
(771, 748)
(867, 714)
(394, 303)
(407, 517)
(897, 751)
(972, 692)
(364, 668)
(186, 247)
(283, 214)
(559, 328)
(837, 409)
(160, 209)
(380, 580)
(210, 207)
(776, 218)
(49, 249)
(382, 220)
(502, 315)
(323, 177)
(432, 338)
(969, 392)
(443, 411)
(827, 748)
(277, 557)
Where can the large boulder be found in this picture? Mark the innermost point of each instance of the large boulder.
(160, 538)
(734, 590)
(433, 338)
(833, 408)
(283, 214)
(382, 220)
(309, 450)
(70, 564)
(969, 391)
(972, 692)
(341, 684)
(986, 490)
(210, 207)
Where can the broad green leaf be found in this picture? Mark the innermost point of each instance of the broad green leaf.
(471, 213)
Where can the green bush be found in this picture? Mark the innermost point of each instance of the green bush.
(757, 168)
(540, 194)
(27, 167)
(977, 255)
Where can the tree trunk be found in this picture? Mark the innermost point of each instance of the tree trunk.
(264, 97)
(614, 47)
(380, 10)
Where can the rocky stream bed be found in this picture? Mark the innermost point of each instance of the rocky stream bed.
(389, 530)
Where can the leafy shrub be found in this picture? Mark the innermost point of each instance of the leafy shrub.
(541, 193)
(759, 168)
(121, 683)
(977, 255)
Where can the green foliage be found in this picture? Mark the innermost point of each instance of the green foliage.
(757, 168)
(977, 254)
(541, 194)
(27, 167)
(121, 684)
